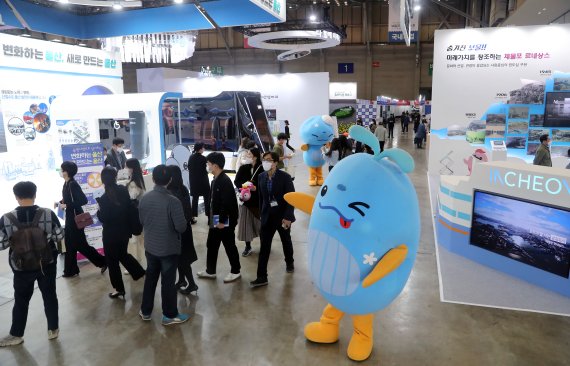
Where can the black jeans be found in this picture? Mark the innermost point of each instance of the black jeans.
(195, 199)
(266, 237)
(23, 291)
(215, 238)
(391, 130)
(115, 253)
(381, 145)
(75, 241)
(165, 268)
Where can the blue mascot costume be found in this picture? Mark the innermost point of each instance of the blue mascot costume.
(362, 245)
(316, 132)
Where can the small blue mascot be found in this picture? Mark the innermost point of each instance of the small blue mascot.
(316, 132)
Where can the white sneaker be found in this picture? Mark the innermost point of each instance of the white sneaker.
(10, 340)
(232, 277)
(204, 274)
(53, 334)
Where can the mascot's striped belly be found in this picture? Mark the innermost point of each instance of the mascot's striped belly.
(333, 269)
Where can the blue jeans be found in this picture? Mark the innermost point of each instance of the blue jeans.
(164, 267)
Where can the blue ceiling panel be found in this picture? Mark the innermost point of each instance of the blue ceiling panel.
(55, 20)
(49, 20)
(8, 17)
(150, 20)
(231, 13)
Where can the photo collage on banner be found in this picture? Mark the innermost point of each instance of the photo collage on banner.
(499, 84)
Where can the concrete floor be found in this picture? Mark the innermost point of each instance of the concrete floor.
(233, 324)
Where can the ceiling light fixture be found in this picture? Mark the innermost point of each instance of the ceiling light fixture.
(64, 1)
(312, 17)
(417, 8)
(178, 1)
(117, 6)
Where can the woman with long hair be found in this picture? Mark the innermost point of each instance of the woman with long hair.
(186, 283)
(332, 153)
(113, 213)
(249, 224)
(199, 182)
(136, 188)
(75, 241)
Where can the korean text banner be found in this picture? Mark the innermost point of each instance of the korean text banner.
(90, 161)
(395, 34)
(32, 54)
(509, 84)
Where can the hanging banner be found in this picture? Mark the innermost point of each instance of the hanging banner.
(90, 161)
(396, 13)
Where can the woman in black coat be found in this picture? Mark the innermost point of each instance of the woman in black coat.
(199, 182)
(114, 215)
(75, 241)
(186, 283)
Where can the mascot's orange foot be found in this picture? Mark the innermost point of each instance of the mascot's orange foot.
(312, 182)
(320, 182)
(321, 332)
(360, 346)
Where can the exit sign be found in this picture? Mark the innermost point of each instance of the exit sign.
(375, 63)
(346, 68)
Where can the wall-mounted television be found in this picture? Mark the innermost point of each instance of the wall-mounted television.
(557, 109)
(528, 232)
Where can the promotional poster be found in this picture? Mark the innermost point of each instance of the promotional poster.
(510, 84)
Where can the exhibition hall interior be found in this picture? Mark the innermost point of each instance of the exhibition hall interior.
(285, 182)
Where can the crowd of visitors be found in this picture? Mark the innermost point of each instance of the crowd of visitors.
(158, 224)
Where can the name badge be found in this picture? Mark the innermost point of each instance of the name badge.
(273, 204)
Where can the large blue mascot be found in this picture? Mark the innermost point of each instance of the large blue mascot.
(362, 241)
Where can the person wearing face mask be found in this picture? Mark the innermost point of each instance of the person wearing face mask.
(136, 188)
(276, 215)
(249, 223)
(199, 182)
(116, 157)
(542, 156)
(75, 241)
(223, 220)
(243, 150)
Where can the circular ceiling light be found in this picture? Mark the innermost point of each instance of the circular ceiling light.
(293, 55)
(295, 40)
(117, 6)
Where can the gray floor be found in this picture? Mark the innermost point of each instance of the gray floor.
(233, 324)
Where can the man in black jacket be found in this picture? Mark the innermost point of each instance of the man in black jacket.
(276, 215)
(223, 220)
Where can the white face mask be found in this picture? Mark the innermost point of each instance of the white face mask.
(119, 150)
(209, 169)
(246, 161)
(267, 165)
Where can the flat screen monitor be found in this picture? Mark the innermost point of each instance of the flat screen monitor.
(557, 109)
(528, 232)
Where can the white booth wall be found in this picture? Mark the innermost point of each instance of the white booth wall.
(293, 97)
(34, 72)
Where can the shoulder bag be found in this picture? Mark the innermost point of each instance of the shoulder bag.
(83, 219)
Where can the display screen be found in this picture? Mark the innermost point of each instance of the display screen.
(525, 231)
(557, 110)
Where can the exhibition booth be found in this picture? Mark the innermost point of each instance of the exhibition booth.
(289, 96)
(502, 225)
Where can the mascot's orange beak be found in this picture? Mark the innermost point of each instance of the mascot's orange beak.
(301, 201)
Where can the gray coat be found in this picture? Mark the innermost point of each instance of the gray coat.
(163, 221)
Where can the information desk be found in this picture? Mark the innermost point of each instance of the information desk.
(512, 218)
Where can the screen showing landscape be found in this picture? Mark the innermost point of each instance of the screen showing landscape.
(557, 110)
(527, 232)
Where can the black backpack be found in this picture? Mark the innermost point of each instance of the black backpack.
(30, 248)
